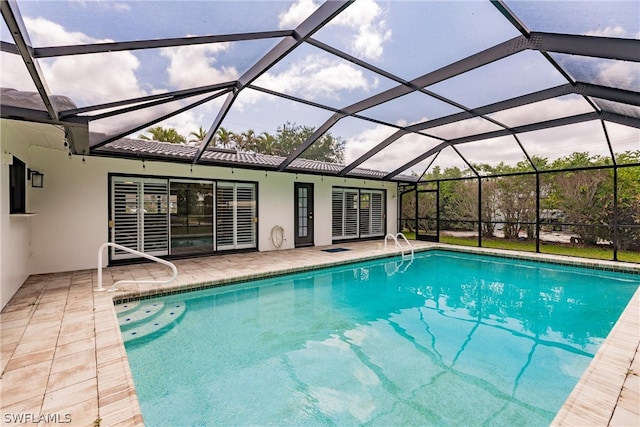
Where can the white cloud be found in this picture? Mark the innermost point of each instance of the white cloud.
(544, 110)
(315, 78)
(192, 66)
(616, 31)
(107, 4)
(359, 144)
(363, 18)
(191, 120)
(623, 138)
(87, 79)
(486, 151)
(620, 74)
(463, 128)
(296, 14)
(401, 152)
(98, 78)
(13, 73)
(329, 77)
(550, 143)
(371, 32)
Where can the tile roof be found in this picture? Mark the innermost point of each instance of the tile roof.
(131, 147)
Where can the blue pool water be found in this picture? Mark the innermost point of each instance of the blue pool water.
(449, 339)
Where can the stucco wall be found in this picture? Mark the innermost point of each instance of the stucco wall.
(15, 230)
(72, 219)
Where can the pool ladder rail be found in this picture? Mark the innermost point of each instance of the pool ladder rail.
(139, 282)
(397, 243)
(402, 251)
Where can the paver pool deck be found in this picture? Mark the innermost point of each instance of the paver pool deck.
(63, 360)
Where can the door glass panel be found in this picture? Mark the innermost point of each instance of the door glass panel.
(139, 214)
(125, 215)
(377, 213)
(302, 212)
(337, 213)
(224, 215)
(365, 214)
(351, 213)
(155, 219)
(191, 218)
(236, 213)
(245, 216)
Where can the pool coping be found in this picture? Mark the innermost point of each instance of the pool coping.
(603, 395)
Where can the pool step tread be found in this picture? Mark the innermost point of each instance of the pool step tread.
(123, 309)
(140, 314)
(162, 319)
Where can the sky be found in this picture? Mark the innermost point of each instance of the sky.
(406, 38)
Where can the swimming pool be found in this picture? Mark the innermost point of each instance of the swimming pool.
(448, 339)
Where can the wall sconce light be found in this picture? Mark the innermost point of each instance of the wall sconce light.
(37, 179)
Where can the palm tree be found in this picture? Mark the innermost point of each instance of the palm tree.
(247, 141)
(198, 135)
(266, 143)
(159, 133)
(224, 137)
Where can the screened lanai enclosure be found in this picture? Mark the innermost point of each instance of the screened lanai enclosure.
(502, 122)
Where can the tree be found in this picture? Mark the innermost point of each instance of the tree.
(581, 195)
(628, 205)
(199, 135)
(224, 137)
(265, 143)
(517, 204)
(459, 204)
(246, 141)
(290, 136)
(458, 199)
(162, 134)
(489, 206)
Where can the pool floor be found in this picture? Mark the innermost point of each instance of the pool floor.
(62, 356)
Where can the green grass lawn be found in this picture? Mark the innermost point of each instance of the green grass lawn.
(546, 248)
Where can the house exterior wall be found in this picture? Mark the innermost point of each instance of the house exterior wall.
(72, 208)
(15, 230)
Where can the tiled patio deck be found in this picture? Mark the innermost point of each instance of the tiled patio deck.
(63, 358)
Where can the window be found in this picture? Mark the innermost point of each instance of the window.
(17, 187)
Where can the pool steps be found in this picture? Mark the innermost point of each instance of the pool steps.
(138, 319)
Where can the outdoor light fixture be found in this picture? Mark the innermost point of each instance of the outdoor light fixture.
(37, 179)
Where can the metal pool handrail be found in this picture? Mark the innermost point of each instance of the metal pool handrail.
(395, 239)
(133, 251)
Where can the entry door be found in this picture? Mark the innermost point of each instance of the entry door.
(303, 214)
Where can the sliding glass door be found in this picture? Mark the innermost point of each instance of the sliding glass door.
(182, 217)
(357, 213)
